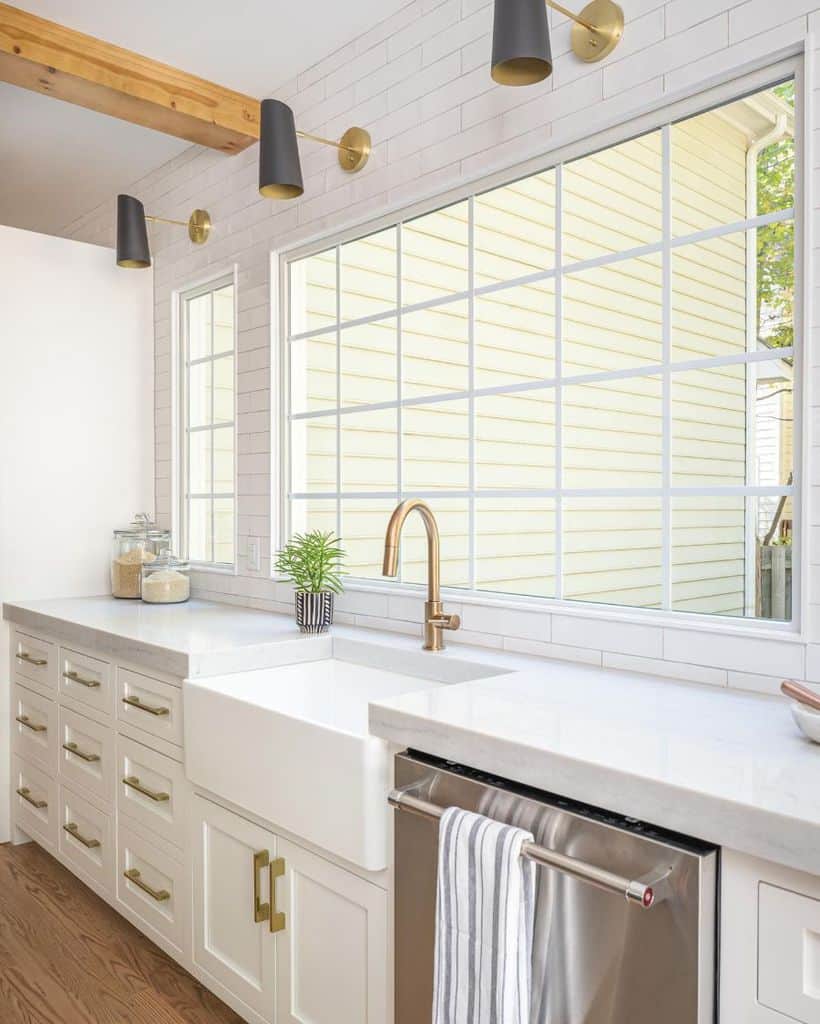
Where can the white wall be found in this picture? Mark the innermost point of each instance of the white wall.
(76, 431)
(420, 82)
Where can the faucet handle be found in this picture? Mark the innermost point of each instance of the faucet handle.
(445, 621)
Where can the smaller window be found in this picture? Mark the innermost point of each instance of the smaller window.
(208, 417)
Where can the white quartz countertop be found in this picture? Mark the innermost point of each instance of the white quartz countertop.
(726, 767)
(196, 638)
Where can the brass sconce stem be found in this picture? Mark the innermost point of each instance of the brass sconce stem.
(574, 17)
(325, 142)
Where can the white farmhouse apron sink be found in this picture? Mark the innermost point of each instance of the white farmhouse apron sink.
(291, 744)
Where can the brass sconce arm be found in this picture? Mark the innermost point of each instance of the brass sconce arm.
(574, 17)
(198, 225)
(354, 147)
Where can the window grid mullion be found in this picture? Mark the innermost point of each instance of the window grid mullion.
(338, 390)
(558, 510)
(604, 260)
(399, 388)
(213, 438)
(471, 455)
(666, 395)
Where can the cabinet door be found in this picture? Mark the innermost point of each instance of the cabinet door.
(232, 937)
(332, 954)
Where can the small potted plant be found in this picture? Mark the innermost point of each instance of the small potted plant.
(313, 564)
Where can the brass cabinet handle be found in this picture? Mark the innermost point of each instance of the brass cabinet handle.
(134, 782)
(25, 656)
(27, 722)
(261, 911)
(72, 748)
(277, 917)
(133, 875)
(135, 702)
(25, 793)
(73, 829)
(75, 677)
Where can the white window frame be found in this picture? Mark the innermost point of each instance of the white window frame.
(181, 386)
(657, 116)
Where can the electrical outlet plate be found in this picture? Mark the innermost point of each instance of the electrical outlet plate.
(254, 563)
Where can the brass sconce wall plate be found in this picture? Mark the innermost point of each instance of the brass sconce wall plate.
(199, 227)
(593, 44)
(354, 149)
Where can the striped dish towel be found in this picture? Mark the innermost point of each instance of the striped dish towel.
(484, 919)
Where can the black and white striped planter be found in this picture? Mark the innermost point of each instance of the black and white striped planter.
(314, 612)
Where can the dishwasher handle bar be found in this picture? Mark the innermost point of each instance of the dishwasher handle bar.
(645, 892)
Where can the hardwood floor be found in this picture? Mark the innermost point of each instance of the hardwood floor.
(67, 958)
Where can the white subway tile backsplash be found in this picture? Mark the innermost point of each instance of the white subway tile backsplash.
(606, 635)
(668, 669)
(550, 650)
(743, 653)
(526, 625)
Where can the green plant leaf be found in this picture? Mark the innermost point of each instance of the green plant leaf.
(313, 562)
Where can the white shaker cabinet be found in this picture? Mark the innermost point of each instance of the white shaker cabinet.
(232, 937)
(297, 938)
(336, 931)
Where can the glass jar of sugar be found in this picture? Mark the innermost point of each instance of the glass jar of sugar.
(133, 546)
(166, 580)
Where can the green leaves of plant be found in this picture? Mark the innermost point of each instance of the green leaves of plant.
(313, 562)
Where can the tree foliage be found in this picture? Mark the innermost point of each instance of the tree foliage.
(775, 242)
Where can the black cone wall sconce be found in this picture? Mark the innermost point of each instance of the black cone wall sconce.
(280, 172)
(132, 232)
(521, 41)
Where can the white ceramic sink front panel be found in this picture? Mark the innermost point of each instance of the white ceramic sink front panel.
(291, 744)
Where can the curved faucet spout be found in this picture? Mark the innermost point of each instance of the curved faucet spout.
(392, 540)
(434, 618)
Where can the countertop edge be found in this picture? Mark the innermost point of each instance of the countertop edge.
(748, 829)
(162, 658)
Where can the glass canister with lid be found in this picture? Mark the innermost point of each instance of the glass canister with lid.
(133, 546)
(166, 580)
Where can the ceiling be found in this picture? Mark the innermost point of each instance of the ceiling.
(58, 161)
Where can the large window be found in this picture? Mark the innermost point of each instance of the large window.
(207, 375)
(588, 373)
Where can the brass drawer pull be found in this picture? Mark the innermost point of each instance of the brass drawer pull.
(72, 748)
(135, 702)
(30, 659)
(277, 917)
(134, 782)
(25, 793)
(73, 829)
(133, 875)
(75, 677)
(261, 911)
(27, 722)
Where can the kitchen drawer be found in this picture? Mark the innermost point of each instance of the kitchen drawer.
(86, 680)
(151, 788)
(35, 801)
(35, 660)
(35, 732)
(87, 754)
(150, 705)
(152, 885)
(788, 972)
(86, 838)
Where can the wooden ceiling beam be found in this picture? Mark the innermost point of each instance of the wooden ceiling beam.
(47, 58)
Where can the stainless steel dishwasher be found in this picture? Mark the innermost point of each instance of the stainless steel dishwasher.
(626, 914)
